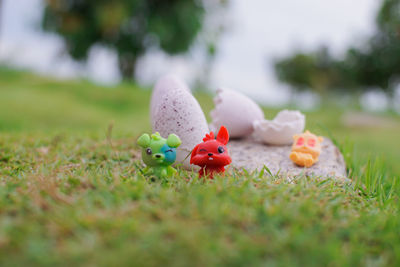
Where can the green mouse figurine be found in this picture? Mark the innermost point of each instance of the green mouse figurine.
(159, 154)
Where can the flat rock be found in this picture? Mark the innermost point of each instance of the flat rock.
(253, 156)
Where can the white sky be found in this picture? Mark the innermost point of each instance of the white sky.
(259, 31)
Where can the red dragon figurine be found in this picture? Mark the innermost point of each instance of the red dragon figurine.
(211, 155)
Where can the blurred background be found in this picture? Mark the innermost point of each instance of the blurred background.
(78, 65)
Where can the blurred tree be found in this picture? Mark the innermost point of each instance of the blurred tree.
(305, 71)
(129, 26)
(376, 64)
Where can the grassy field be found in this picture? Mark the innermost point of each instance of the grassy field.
(72, 191)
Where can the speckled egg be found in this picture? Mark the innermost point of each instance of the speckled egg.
(236, 112)
(175, 110)
(164, 85)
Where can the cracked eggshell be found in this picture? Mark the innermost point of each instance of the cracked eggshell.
(281, 129)
(236, 112)
(175, 110)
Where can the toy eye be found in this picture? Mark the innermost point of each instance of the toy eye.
(169, 150)
(311, 142)
(148, 151)
(202, 150)
(300, 142)
(221, 149)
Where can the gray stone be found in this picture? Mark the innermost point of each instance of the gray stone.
(253, 156)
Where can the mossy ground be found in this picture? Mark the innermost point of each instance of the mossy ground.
(72, 191)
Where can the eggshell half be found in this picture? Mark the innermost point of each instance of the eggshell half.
(281, 129)
(175, 110)
(236, 112)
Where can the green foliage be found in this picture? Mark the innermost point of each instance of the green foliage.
(375, 64)
(388, 18)
(32, 103)
(128, 26)
(306, 71)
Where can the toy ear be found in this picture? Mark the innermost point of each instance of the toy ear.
(223, 135)
(156, 136)
(194, 153)
(295, 136)
(173, 140)
(143, 140)
(320, 139)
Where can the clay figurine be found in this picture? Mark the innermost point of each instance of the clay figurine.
(306, 149)
(212, 155)
(159, 154)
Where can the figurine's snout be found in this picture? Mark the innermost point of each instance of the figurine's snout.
(210, 154)
(158, 156)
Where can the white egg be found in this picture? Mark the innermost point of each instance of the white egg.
(165, 84)
(175, 110)
(281, 129)
(236, 112)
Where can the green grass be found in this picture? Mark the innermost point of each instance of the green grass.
(71, 196)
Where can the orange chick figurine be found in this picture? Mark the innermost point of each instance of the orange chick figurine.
(306, 149)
